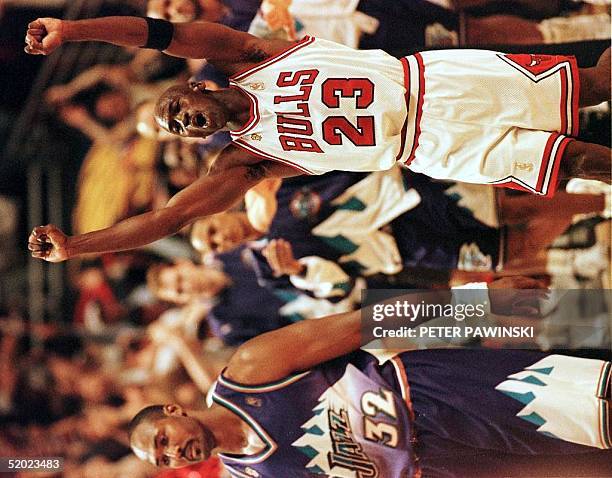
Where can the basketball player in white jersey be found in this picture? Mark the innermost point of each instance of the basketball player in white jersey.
(316, 106)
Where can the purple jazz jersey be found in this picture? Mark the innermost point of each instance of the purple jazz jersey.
(461, 412)
(341, 419)
(478, 410)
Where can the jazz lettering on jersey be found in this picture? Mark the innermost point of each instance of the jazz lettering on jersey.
(295, 127)
(346, 452)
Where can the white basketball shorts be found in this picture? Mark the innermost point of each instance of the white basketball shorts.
(485, 117)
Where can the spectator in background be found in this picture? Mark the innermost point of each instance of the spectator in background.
(241, 309)
(409, 25)
(325, 231)
(223, 232)
(96, 305)
(69, 400)
(113, 106)
(184, 281)
(211, 468)
(236, 14)
(414, 24)
(188, 10)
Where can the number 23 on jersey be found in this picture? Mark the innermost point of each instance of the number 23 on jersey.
(295, 129)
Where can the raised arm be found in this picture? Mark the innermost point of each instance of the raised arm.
(297, 347)
(215, 42)
(301, 346)
(208, 195)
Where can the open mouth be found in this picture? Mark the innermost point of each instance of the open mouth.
(193, 451)
(199, 120)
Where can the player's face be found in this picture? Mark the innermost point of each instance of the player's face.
(172, 10)
(191, 113)
(173, 441)
(146, 125)
(219, 233)
(185, 281)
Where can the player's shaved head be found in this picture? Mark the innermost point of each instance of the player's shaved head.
(174, 10)
(144, 416)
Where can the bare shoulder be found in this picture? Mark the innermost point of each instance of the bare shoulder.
(254, 51)
(245, 366)
(256, 362)
(262, 49)
(231, 157)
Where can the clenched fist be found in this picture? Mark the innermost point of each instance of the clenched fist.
(44, 35)
(48, 243)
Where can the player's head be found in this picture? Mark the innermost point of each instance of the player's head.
(165, 435)
(174, 10)
(186, 10)
(221, 232)
(146, 125)
(190, 112)
(184, 281)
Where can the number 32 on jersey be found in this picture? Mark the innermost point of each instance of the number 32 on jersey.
(377, 404)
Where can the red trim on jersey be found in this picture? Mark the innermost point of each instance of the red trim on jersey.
(567, 67)
(512, 185)
(564, 101)
(570, 102)
(261, 154)
(417, 123)
(543, 187)
(575, 96)
(253, 112)
(553, 183)
(307, 40)
(545, 160)
(406, 69)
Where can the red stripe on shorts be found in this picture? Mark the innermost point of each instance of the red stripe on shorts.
(417, 126)
(406, 69)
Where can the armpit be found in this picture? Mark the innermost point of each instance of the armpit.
(256, 172)
(230, 157)
(254, 55)
(269, 169)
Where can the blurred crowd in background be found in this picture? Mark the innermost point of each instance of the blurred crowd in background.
(156, 325)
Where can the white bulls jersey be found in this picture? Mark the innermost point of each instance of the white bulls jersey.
(320, 106)
(472, 116)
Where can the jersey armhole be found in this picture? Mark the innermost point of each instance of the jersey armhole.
(241, 75)
(263, 155)
(260, 388)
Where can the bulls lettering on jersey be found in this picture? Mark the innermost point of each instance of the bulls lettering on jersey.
(320, 106)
